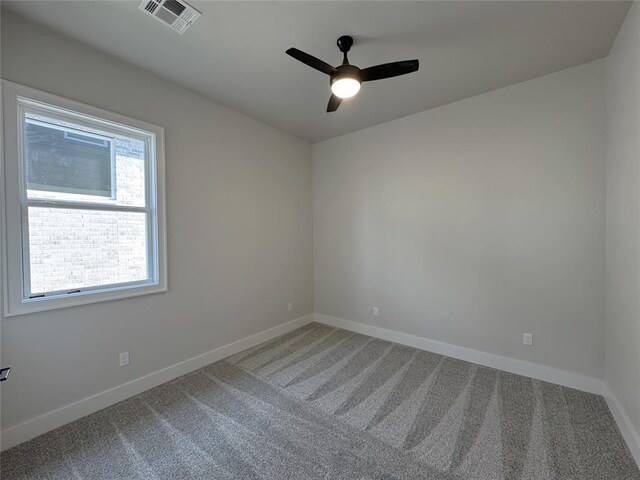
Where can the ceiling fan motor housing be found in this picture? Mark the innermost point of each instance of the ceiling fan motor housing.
(345, 71)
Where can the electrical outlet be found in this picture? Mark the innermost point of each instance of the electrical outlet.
(376, 312)
(527, 339)
(290, 307)
(124, 359)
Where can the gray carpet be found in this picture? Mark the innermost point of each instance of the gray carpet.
(323, 403)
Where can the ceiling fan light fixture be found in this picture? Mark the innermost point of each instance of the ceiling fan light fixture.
(345, 87)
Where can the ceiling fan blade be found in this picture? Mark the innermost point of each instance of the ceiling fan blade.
(388, 70)
(312, 61)
(334, 103)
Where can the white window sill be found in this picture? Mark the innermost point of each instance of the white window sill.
(35, 305)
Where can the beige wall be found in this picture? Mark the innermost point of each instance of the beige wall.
(622, 352)
(239, 233)
(474, 222)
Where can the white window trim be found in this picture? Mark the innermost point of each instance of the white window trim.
(11, 224)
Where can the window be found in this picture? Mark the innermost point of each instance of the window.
(83, 218)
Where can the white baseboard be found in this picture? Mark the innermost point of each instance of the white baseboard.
(56, 418)
(507, 364)
(629, 433)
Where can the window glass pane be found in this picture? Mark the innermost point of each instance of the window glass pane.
(69, 161)
(75, 249)
(65, 160)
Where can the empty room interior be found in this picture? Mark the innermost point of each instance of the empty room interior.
(357, 240)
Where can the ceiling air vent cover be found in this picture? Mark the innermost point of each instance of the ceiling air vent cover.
(176, 14)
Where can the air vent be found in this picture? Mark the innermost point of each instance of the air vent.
(151, 6)
(176, 14)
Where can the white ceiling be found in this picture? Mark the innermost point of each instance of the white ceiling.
(234, 54)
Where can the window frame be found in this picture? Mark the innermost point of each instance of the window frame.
(14, 221)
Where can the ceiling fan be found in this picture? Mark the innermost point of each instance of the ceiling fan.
(346, 79)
